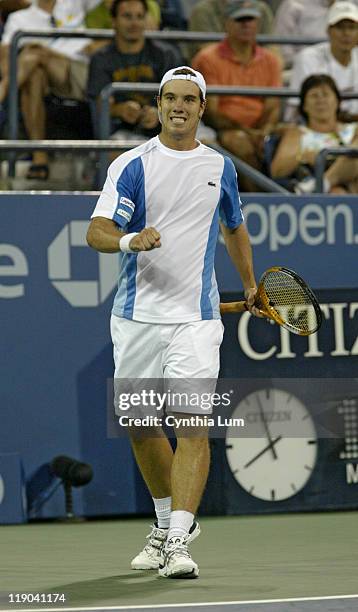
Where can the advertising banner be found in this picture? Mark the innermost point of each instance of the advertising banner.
(56, 355)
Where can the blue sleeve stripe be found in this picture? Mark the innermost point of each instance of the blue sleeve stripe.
(207, 299)
(121, 294)
(136, 224)
(222, 214)
(215, 298)
(230, 203)
(131, 286)
(127, 186)
(130, 186)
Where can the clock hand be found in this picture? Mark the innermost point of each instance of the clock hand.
(268, 434)
(271, 445)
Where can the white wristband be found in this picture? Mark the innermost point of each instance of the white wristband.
(124, 242)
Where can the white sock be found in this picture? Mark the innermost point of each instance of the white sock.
(163, 508)
(180, 523)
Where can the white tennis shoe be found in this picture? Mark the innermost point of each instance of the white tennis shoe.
(177, 561)
(151, 557)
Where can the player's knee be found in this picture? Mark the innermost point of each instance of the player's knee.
(194, 441)
(143, 436)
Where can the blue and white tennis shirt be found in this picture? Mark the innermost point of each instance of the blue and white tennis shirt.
(182, 194)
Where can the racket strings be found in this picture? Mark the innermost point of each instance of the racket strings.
(291, 301)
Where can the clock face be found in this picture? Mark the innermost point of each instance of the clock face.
(275, 458)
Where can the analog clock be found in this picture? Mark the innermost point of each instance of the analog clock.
(277, 453)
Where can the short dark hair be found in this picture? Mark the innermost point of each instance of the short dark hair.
(184, 71)
(315, 80)
(116, 4)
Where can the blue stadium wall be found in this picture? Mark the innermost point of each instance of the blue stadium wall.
(56, 355)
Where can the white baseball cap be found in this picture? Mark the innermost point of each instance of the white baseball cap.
(342, 9)
(195, 77)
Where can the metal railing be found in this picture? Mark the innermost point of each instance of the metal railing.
(124, 145)
(104, 118)
(69, 145)
(321, 161)
(281, 92)
(220, 90)
(170, 35)
(152, 88)
(266, 183)
(72, 145)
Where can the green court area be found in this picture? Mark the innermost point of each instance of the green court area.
(240, 558)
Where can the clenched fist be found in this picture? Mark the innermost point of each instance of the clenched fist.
(146, 240)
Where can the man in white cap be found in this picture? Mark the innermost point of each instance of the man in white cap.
(300, 18)
(160, 209)
(338, 58)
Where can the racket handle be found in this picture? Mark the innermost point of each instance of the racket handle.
(233, 307)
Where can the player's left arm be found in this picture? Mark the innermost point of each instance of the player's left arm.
(239, 248)
(235, 233)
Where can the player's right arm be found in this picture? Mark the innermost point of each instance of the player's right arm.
(103, 235)
(119, 216)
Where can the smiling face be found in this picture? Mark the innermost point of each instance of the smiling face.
(180, 110)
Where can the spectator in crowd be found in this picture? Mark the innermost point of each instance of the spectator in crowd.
(300, 145)
(300, 18)
(100, 17)
(241, 121)
(8, 6)
(210, 16)
(131, 58)
(57, 65)
(338, 57)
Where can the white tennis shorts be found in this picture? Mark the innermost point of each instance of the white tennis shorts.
(186, 351)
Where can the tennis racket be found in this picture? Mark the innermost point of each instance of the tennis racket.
(285, 298)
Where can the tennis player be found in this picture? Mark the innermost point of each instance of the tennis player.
(160, 208)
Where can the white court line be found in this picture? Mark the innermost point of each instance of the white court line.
(187, 605)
